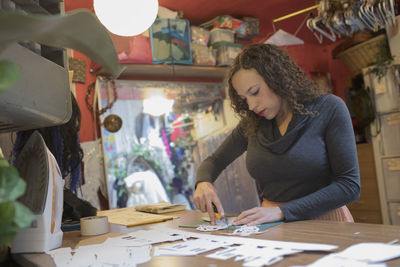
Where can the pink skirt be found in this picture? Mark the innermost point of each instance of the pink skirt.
(341, 214)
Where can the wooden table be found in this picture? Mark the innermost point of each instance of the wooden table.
(325, 232)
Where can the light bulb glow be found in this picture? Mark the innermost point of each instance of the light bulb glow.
(126, 17)
(156, 105)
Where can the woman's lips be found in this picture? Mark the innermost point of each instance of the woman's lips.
(261, 113)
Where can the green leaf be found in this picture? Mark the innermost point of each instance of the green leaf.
(23, 216)
(79, 30)
(7, 213)
(9, 74)
(11, 185)
(7, 235)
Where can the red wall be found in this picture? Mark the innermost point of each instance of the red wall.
(310, 57)
(87, 126)
(317, 58)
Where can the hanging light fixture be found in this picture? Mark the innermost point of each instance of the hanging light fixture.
(126, 17)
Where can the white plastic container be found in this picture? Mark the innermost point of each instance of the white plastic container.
(226, 52)
(203, 55)
(221, 35)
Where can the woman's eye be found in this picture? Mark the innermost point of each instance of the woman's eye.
(255, 92)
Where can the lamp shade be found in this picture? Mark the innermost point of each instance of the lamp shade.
(126, 17)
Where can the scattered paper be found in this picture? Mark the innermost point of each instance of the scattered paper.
(143, 237)
(245, 230)
(360, 255)
(332, 260)
(101, 255)
(252, 255)
(135, 248)
(261, 242)
(61, 256)
(371, 252)
(188, 248)
(211, 228)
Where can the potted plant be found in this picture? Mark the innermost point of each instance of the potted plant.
(13, 215)
(79, 30)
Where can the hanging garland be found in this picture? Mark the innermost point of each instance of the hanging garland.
(109, 104)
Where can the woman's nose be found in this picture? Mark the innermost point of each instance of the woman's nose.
(252, 104)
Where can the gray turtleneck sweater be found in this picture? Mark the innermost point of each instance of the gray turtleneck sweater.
(313, 168)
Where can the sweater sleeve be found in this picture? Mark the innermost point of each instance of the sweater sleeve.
(231, 148)
(343, 161)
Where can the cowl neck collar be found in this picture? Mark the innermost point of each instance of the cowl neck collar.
(268, 134)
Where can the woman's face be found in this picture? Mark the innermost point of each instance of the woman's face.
(251, 87)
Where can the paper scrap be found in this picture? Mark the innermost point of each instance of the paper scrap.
(282, 38)
(101, 255)
(191, 247)
(253, 255)
(261, 242)
(332, 260)
(143, 237)
(371, 252)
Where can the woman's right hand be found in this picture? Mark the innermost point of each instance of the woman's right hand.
(204, 196)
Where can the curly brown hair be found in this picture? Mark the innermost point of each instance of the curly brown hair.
(282, 76)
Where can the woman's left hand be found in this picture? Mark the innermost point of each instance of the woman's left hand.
(259, 215)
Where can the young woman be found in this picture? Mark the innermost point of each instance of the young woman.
(300, 143)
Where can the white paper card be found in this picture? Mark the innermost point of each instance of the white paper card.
(371, 252)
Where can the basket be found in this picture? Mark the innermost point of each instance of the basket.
(362, 55)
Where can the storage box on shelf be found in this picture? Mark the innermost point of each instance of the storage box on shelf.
(239, 27)
(253, 25)
(170, 41)
(199, 35)
(203, 55)
(221, 35)
(226, 52)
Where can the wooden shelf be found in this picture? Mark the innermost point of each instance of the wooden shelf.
(170, 72)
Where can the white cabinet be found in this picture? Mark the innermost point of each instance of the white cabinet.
(391, 172)
(385, 133)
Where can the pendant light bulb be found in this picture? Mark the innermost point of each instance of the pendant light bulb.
(126, 17)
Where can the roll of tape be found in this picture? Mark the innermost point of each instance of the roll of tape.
(94, 225)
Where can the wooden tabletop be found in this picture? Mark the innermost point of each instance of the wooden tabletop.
(324, 232)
